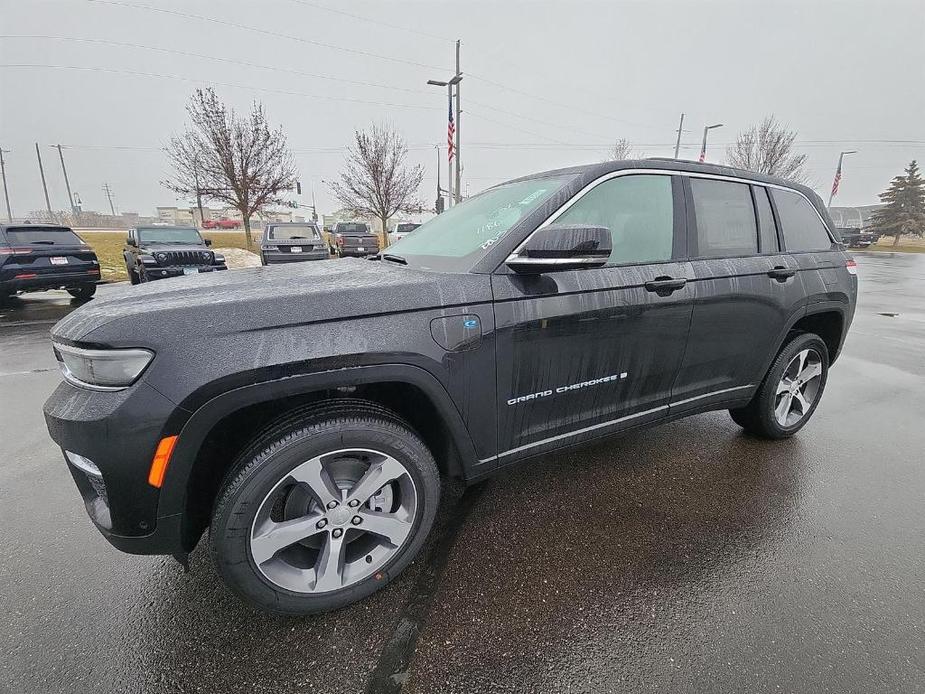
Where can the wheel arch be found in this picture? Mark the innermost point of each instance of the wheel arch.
(219, 429)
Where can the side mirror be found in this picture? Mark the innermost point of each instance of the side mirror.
(208, 242)
(563, 247)
(129, 241)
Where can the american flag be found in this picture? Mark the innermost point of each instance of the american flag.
(450, 132)
(836, 181)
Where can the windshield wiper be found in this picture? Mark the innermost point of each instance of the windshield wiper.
(44, 243)
(394, 258)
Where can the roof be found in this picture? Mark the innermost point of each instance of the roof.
(34, 225)
(590, 172)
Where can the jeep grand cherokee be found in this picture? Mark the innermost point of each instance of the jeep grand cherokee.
(306, 416)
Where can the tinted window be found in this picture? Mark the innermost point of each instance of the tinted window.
(351, 229)
(300, 231)
(405, 227)
(725, 218)
(767, 231)
(43, 235)
(803, 230)
(639, 212)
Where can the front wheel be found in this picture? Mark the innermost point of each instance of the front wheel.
(790, 392)
(324, 509)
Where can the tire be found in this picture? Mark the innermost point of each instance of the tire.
(777, 394)
(132, 275)
(333, 444)
(83, 292)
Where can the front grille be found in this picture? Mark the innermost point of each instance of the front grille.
(183, 258)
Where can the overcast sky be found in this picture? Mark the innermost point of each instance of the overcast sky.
(546, 84)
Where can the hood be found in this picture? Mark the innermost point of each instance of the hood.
(259, 298)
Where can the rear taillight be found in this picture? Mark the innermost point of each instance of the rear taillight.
(339, 240)
(13, 251)
(851, 266)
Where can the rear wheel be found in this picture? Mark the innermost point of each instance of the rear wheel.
(790, 392)
(83, 292)
(324, 509)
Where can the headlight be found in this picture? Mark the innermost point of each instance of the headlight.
(102, 369)
(218, 259)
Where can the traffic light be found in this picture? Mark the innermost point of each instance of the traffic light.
(298, 187)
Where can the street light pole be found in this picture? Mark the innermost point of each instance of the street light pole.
(458, 190)
(841, 158)
(6, 190)
(703, 147)
(453, 82)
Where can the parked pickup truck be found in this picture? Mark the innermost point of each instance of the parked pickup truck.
(857, 238)
(308, 416)
(220, 224)
(354, 239)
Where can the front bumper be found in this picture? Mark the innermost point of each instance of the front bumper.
(118, 431)
(156, 272)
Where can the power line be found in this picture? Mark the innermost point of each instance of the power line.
(188, 54)
(518, 128)
(373, 21)
(134, 73)
(541, 122)
(265, 32)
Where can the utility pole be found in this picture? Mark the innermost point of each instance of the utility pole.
(438, 203)
(677, 144)
(6, 191)
(38, 154)
(67, 184)
(458, 190)
(108, 191)
(198, 192)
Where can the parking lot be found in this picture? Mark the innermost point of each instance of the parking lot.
(687, 558)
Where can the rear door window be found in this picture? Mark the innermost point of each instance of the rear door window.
(767, 230)
(802, 227)
(638, 210)
(725, 218)
(46, 236)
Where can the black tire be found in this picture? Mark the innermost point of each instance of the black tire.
(132, 275)
(82, 293)
(278, 450)
(758, 416)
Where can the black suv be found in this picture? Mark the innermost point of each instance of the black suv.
(159, 252)
(36, 257)
(291, 242)
(308, 418)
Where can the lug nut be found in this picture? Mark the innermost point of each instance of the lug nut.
(337, 532)
(332, 504)
(356, 520)
(320, 524)
(354, 503)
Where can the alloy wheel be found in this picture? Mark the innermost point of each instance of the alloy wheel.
(798, 388)
(333, 521)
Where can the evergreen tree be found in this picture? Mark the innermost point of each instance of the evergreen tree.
(904, 206)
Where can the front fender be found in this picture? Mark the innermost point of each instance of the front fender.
(200, 422)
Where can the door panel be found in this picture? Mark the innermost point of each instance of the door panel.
(580, 349)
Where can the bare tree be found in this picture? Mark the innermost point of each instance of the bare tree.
(768, 148)
(622, 149)
(236, 160)
(376, 181)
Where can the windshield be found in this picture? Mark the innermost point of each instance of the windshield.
(169, 235)
(49, 236)
(351, 229)
(294, 231)
(470, 228)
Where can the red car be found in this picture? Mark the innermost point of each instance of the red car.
(220, 224)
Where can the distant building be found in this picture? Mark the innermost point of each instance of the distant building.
(853, 217)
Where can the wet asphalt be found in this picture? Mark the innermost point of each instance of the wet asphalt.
(687, 558)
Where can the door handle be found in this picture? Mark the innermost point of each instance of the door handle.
(665, 285)
(781, 273)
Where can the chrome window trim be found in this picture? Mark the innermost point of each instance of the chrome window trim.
(610, 422)
(665, 172)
